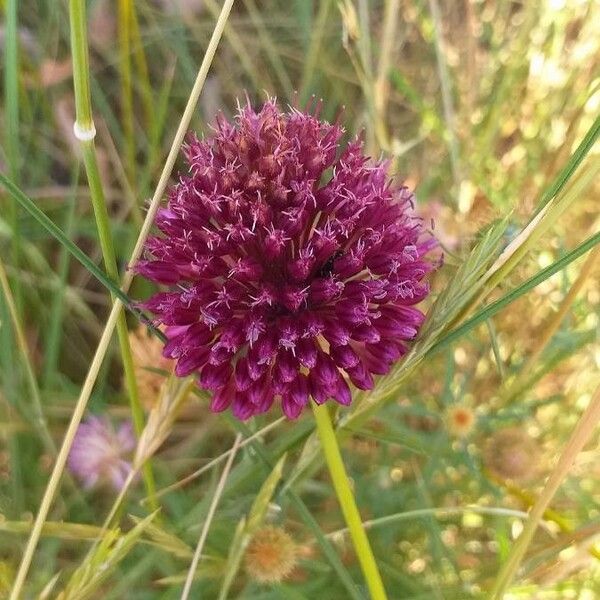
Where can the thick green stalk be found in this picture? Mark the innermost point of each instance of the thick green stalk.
(85, 132)
(347, 502)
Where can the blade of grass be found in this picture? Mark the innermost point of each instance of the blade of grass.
(209, 517)
(31, 207)
(217, 460)
(495, 307)
(572, 165)
(270, 48)
(55, 321)
(126, 95)
(312, 54)
(579, 438)
(116, 310)
(39, 419)
(141, 64)
(11, 86)
(9, 388)
(389, 36)
(553, 324)
(540, 223)
(446, 89)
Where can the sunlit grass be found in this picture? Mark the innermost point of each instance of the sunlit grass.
(490, 111)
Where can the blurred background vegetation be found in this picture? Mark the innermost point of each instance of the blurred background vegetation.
(478, 104)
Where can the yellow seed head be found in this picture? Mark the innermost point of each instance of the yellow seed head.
(271, 555)
(460, 420)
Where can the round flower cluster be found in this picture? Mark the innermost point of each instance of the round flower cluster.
(295, 265)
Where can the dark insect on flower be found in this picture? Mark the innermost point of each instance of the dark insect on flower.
(296, 264)
(326, 270)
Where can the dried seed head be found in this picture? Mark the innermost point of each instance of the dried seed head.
(460, 420)
(512, 453)
(271, 555)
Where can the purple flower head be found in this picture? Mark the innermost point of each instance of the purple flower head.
(295, 263)
(98, 454)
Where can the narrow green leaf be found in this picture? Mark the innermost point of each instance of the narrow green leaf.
(29, 205)
(495, 307)
(573, 163)
(104, 558)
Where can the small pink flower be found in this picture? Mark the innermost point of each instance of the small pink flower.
(98, 454)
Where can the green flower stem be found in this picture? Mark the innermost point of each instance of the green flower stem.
(85, 131)
(347, 502)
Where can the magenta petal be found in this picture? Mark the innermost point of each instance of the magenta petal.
(221, 399)
(291, 409)
(242, 376)
(213, 377)
(360, 377)
(286, 367)
(306, 351)
(298, 390)
(344, 356)
(343, 394)
(241, 408)
(191, 362)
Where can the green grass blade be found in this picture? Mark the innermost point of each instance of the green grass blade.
(55, 322)
(495, 307)
(572, 165)
(29, 205)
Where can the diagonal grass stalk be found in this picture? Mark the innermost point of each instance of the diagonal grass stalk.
(85, 131)
(209, 517)
(117, 307)
(312, 53)
(30, 206)
(217, 460)
(579, 438)
(446, 90)
(552, 326)
(141, 64)
(495, 307)
(346, 499)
